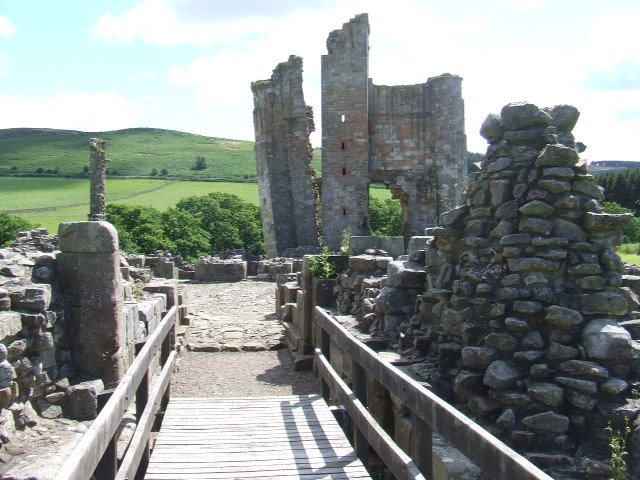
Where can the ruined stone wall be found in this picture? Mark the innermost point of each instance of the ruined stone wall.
(345, 132)
(409, 137)
(418, 146)
(282, 124)
(526, 304)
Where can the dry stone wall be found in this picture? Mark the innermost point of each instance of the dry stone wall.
(526, 302)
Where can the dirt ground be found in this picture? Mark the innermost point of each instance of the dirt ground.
(252, 361)
(234, 348)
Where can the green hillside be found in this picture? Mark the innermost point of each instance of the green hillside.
(132, 152)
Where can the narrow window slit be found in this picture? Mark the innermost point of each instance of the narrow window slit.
(343, 118)
(344, 171)
(344, 211)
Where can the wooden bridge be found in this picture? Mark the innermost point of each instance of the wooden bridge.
(279, 437)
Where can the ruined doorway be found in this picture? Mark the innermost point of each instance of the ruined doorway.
(387, 210)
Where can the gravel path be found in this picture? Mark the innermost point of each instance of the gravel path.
(231, 320)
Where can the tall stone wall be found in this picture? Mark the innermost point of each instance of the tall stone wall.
(418, 146)
(282, 123)
(345, 132)
(409, 137)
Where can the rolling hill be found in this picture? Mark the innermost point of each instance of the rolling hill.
(134, 152)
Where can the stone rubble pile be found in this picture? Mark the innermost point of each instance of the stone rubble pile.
(526, 303)
(39, 240)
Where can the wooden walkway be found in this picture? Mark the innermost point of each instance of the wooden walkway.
(261, 437)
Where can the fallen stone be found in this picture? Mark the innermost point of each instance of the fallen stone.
(81, 402)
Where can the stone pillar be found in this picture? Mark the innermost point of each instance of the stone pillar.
(97, 170)
(89, 273)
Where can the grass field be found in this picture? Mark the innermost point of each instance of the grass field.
(131, 152)
(31, 193)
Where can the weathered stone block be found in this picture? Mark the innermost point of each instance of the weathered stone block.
(406, 275)
(605, 339)
(503, 374)
(556, 155)
(88, 237)
(34, 297)
(10, 324)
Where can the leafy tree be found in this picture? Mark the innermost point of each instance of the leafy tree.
(154, 172)
(139, 228)
(386, 217)
(229, 221)
(201, 163)
(183, 228)
(11, 226)
(164, 171)
(631, 231)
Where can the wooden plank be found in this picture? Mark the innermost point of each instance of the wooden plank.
(287, 437)
(140, 439)
(85, 457)
(492, 456)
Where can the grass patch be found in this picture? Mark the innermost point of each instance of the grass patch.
(629, 253)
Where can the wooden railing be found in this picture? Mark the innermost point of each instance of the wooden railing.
(428, 412)
(96, 454)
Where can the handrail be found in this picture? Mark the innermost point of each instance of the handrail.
(84, 459)
(492, 456)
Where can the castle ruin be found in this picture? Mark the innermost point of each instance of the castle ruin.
(410, 138)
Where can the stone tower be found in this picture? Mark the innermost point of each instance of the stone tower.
(345, 132)
(409, 137)
(282, 123)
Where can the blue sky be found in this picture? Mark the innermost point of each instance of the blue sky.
(187, 64)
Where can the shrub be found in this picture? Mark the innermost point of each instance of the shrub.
(13, 167)
(85, 169)
(321, 266)
(164, 172)
(39, 170)
(154, 172)
(201, 163)
(11, 226)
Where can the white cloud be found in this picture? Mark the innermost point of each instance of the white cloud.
(142, 76)
(526, 6)
(77, 111)
(6, 27)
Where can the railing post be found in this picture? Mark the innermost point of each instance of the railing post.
(360, 391)
(142, 397)
(325, 348)
(168, 344)
(422, 445)
(108, 466)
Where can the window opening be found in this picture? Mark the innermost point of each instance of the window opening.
(343, 118)
(344, 211)
(342, 145)
(344, 171)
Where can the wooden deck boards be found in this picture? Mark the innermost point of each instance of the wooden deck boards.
(258, 438)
